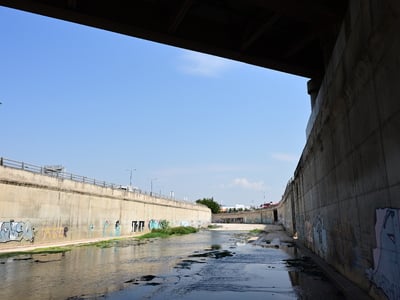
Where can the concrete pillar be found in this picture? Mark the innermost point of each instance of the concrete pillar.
(312, 89)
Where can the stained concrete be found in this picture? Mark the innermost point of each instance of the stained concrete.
(41, 209)
(344, 199)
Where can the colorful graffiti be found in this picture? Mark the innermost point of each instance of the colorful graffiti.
(154, 224)
(16, 231)
(117, 228)
(105, 227)
(48, 233)
(386, 255)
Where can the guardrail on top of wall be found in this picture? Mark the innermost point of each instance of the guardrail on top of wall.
(52, 172)
(56, 172)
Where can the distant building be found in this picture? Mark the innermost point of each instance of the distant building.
(268, 205)
(235, 208)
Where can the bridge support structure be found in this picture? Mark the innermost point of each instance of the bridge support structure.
(344, 199)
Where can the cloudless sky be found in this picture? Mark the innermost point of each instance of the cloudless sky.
(102, 104)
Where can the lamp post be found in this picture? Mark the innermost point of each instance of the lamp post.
(130, 177)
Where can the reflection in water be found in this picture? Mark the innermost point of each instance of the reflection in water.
(188, 267)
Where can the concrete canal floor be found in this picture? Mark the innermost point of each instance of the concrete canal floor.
(228, 262)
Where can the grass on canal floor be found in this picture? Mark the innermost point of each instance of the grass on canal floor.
(155, 233)
(163, 233)
(256, 231)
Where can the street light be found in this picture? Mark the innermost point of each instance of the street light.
(130, 177)
(151, 186)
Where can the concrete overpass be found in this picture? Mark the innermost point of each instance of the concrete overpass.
(343, 200)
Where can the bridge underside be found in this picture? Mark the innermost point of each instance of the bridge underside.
(344, 199)
(287, 35)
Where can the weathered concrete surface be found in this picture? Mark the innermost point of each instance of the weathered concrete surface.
(43, 209)
(344, 199)
(238, 227)
(259, 216)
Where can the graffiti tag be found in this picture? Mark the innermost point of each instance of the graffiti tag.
(154, 224)
(320, 242)
(137, 226)
(16, 231)
(386, 255)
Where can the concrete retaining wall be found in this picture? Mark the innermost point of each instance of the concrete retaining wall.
(346, 188)
(260, 216)
(47, 209)
(287, 211)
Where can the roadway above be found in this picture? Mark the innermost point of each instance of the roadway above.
(291, 36)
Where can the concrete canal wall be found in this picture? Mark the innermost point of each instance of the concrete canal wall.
(40, 209)
(344, 199)
(259, 216)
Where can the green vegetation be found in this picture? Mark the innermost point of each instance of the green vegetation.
(164, 224)
(163, 233)
(103, 244)
(211, 204)
(213, 226)
(256, 231)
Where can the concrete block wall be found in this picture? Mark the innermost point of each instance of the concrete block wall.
(42, 209)
(346, 187)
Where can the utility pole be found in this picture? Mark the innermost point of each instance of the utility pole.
(130, 177)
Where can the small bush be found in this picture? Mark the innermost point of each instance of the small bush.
(182, 230)
(155, 233)
(162, 233)
(164, 224)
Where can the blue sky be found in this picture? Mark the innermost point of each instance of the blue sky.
(101, 104)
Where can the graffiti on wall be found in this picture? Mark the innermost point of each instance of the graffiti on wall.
(53, 233)
(105, 227)
(137, 226)
(108, 230)
(386, 255)
(16, 231)
(158, 224)
(154, 224)
(117, 228)
(184, 223)
(319, 237)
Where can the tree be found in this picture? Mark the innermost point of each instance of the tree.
(211, 204)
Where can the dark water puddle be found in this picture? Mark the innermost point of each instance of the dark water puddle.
(306, 265)
(86, 297)
(22, 258)
(146, 279)
(187, 263)
(214, 254)
(36, 258)
(45, 261)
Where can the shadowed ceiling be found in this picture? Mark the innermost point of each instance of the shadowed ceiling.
(293, 36)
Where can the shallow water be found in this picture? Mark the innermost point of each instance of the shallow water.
(205, 265)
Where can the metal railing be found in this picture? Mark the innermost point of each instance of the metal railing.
(54, 172)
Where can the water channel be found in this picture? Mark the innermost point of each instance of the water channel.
(205, 265)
